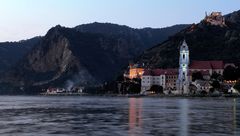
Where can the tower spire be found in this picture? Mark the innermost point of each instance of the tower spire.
(183, 81)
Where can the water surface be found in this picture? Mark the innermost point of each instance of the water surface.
(116, 116)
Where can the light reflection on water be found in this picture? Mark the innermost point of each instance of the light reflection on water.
(109, 116)
(135, 117)
(184, 117)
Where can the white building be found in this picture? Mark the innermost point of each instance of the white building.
(153, 77)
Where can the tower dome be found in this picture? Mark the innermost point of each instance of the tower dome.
(184, 46)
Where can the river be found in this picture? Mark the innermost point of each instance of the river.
(118, 116)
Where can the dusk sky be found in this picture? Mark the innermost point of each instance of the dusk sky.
(22, 19)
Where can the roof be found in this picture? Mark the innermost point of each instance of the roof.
(158, 72)
(147, 72)
(171, 71)
(207, 65)
(203, 72)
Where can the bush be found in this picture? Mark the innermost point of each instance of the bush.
(230, 73)
(216, 84)
(197, 76)
(157, 89)
(237, 86)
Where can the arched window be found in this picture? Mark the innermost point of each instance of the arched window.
(183, 76)
(183, 56)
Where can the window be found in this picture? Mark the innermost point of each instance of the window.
(183, 56)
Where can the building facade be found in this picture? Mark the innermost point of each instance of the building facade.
(163, 77)
(135, 71)
(153, 77)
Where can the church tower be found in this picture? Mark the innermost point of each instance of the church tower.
(183, 80)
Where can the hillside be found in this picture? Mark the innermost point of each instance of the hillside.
(67, 56)
(12, 52)
(205, 41)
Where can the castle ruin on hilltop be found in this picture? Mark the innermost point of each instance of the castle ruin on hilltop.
(215, 18)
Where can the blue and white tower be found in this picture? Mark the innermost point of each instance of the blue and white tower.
(183, 80)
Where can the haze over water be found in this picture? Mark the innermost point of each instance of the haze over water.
(27, 115)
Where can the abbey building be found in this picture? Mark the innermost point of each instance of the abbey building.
(177, 80)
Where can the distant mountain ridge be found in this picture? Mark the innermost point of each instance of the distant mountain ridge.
(146, 37)
(86, 55)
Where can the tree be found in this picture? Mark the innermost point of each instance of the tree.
(215, 76)
(216, 84)
(230, 73)
(237, 73)
(120, 78)
(137, 80)
(157, 89)
(197, 76)
(237, 86)
(134, 88)
(211, 90)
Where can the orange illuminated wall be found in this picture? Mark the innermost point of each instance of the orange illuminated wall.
(136, 73)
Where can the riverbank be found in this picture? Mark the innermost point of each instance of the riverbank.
(140, 95)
